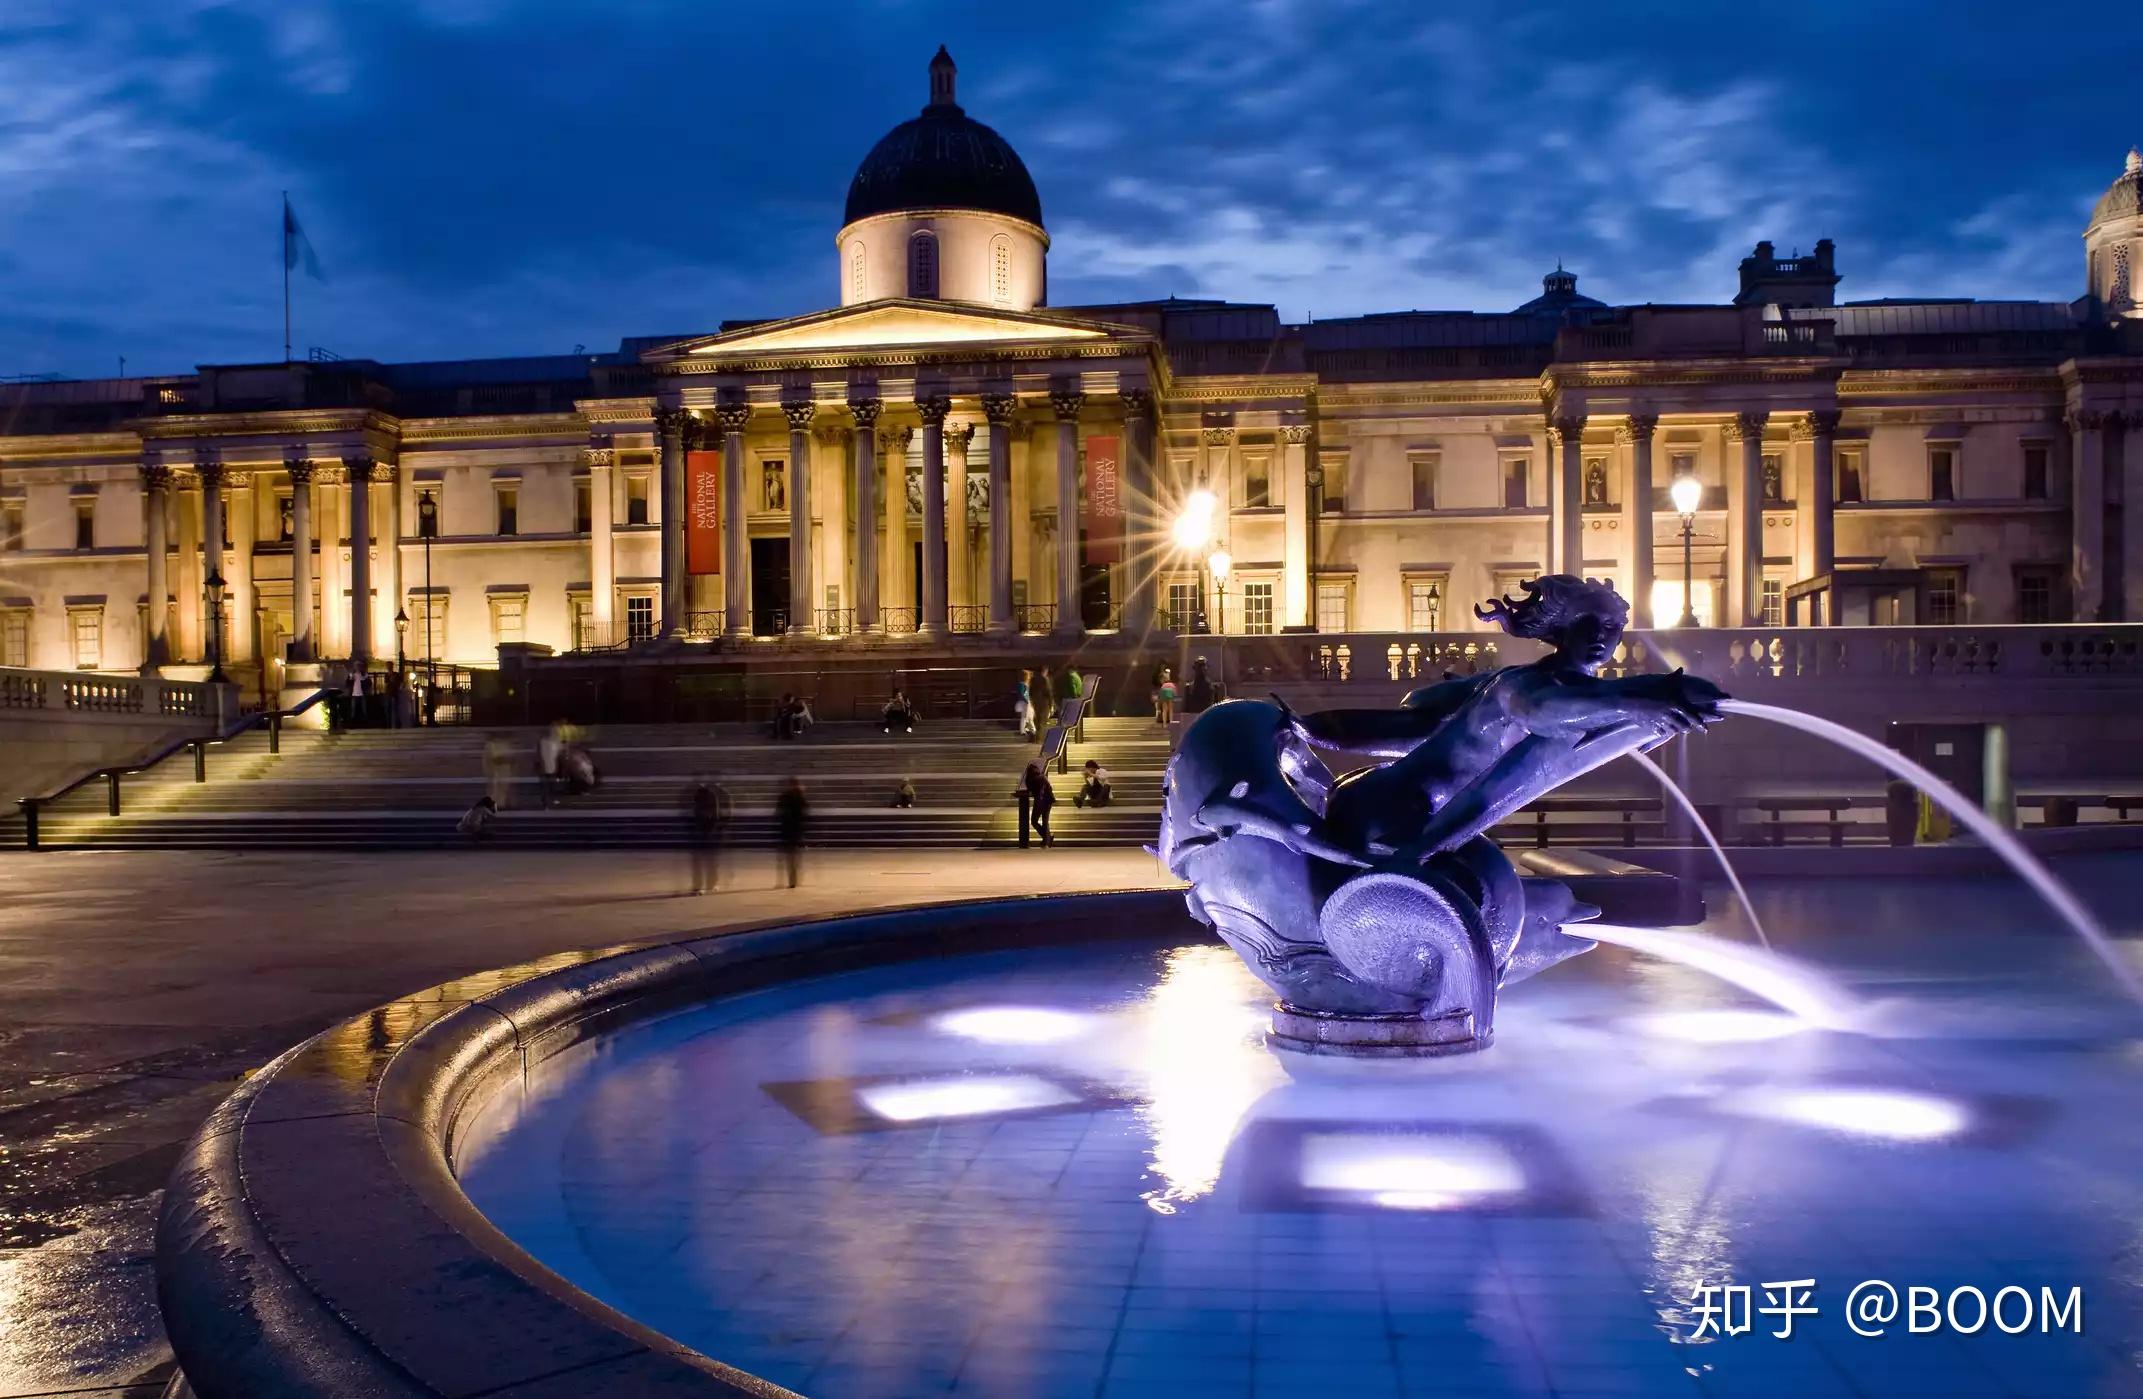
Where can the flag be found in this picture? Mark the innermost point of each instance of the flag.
(297, 248)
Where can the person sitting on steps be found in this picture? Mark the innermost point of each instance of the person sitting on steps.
(1094, 791)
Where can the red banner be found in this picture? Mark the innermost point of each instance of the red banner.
(1101, 509)
(703, 512)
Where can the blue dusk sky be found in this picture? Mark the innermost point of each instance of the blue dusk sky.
(485, 177)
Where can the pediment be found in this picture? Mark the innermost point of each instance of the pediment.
(887, 325)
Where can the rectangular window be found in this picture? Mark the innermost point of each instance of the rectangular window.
(1332, 607)
(1257, 483)
(1424, 605)
(583, 610)
(1851, 488)
(1257, 609)
(1182, 606)
(509, 620)
(1515, 472)
(583, 506)
(1424, 466)
(1774, 602)
(15, 637)
(10, 524)
(2035, 595)
(509, 503)
(1941, 473)
(2035, 471)
(427, 616)
(639, 619)
(1335, 487)
(636, 500)
(1945, 597)
(87, 632)
(85, 522)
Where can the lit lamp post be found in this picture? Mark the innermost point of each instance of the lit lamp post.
(428, 530)
(1193, 532)
(401, 665)
(1219, 563)
(1687, 493)
(214, 584)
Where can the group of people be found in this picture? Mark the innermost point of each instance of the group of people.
(1198, 696)
(711, 811)
(792, 717)
(564, 767)
(1035, 701)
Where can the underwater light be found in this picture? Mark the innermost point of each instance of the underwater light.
(1409, 1172)
(963, 1095)
(1865, 1112)
(1012, 1024)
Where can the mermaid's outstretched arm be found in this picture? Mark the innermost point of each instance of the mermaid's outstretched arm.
(1387, 733)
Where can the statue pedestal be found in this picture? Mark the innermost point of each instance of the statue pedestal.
(1374, 1036)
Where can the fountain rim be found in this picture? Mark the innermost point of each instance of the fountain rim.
(314, 1239)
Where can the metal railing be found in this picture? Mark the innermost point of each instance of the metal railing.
(967, 619)
(1035, 616)
(900, 621)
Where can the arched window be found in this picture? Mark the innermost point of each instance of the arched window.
(2119, 291)
(855, 270)
(1001, 269)
(923, 264)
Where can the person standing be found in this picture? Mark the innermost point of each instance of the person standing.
(710, 818)
(1041, 799)
(1164, 697)
(792, 812)
(1045, 699)
(1201, 694)
(548, 749)
(498, 770)
(1023, 704)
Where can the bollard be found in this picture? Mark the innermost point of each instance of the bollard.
(111, 792)
(200, 760)
(1026, 810)
(29, 823)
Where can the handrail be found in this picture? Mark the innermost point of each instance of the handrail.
(1057, 738)
(273, 718)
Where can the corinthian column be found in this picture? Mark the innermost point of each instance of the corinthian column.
(736, 537)
(1817, 507)
(934, 617)
(959, 550)
(1569, 499)
(1142, 543)
(602, 541)
(1295, 495)
(896, 566)
(359, 471)
(1745, 524)
(1066, 404)
(803, 600)
(998, 409)
(672, 425)
(301, 556)
(1637, 516)
(155, 498)
(866, 488)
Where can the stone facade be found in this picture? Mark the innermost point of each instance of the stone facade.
(912, 464)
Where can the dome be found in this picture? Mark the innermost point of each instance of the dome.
(2125, 198)
(1559, 296)
(943, 159)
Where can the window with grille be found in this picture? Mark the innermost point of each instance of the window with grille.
(1515, 472)
(640, 619)
(85, 522)
(1424, 605)
(922, 264)
(428, 616)
(1945, 597)
(2035, 595)
(1001, 269)
(1257, 482)
(1182, 605)
(509, 509)
(87, 632)
(15, 637)
(1941, 473)
(855, 270)
(1257, 609)
(583, 621)
(2120, 275)
(10, 524)
(1851, 487)
(509, 620)
(1774, 602)
(1332, 601)
(636, 500)
(1424, 466)
(2035, 472)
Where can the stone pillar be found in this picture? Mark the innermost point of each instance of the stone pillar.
(803, 592)
(155, 500)
(934, 617)
(1637, 517)
(1745, 523)
(866, 411)
(736, 535)
(1066, 403)
(602, 539)
(1818, 503)
(244, 609)
(388, 476)
(359, 471)
(895, 564)
(2087, 514)
(334, 587)
(187, 585)
(1295, 491)
(1567, 470)
(302, 640)
(1142, 535)
(830, 496)
(672, 425)
(998, 409)
(1025, 560)
(2131, 505)
(210, 470)
(959, 522)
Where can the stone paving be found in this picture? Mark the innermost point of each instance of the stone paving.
(137, 989)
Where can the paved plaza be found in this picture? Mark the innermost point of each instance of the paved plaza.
(137, 990)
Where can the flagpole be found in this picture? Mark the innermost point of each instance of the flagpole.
(286, 276)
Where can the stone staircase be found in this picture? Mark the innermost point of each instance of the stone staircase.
(406, 789)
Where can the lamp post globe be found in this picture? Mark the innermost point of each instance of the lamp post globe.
(1688, 493)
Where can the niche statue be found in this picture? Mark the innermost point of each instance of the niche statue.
(1374, 904)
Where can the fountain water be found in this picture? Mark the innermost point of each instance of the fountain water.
(1789, 985)
(1998, 838)
(1689, 808)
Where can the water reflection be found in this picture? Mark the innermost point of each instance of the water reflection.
(1204, 1064)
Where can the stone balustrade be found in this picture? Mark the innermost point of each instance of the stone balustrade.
(79, 694)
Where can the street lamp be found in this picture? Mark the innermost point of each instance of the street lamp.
(1193, 533)
(1219, 563)
(401, 664)
(214, 584)
(1687, 493)
(428, 530)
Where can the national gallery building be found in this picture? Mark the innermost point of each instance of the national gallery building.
(947, 452)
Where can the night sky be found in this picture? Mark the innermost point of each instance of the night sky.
(482, 177)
